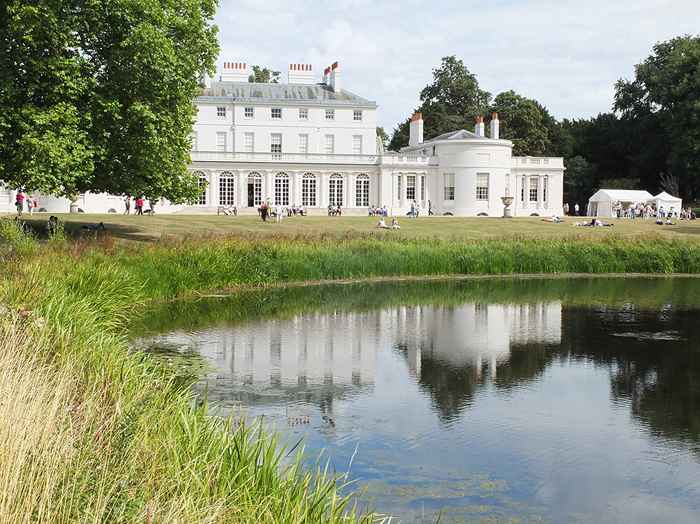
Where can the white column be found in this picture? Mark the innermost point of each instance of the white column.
(323, 190)
(212, 200)
(351, 189)
(240, 187)
(268, 192)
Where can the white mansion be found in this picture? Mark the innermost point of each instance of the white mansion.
(315, 145)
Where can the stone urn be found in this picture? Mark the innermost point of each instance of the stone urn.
(507, 201)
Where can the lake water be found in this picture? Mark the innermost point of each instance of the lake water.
(475, 401)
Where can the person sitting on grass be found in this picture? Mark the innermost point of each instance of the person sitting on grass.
(382, 224)
(395, 223)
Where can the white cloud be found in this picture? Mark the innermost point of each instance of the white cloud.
(565, 53)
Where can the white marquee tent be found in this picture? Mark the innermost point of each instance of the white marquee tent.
(602, 201)
(666, 201)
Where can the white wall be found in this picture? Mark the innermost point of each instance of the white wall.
(290, 126)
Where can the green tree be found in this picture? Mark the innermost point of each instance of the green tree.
(264, 75)
(665, 93)
(579, 181)
(525, 123)
(449, 103)
(383, 137)
(97, 95)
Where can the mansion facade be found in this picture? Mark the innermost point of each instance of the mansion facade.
(315, 145)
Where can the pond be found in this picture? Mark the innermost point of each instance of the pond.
(534, 400)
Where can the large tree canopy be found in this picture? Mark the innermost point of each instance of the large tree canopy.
(98, 94)
(450, 102)
(524, 122)
(665, 95)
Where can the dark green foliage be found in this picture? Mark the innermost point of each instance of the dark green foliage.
(98, 95)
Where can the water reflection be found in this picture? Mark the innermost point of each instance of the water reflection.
(559, 408)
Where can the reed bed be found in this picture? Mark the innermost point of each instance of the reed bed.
(93, 432)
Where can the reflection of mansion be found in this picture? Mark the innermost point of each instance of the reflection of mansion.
(472, 335)
(338, 352)
(315, 145)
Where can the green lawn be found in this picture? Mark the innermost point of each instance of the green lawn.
(155, 227)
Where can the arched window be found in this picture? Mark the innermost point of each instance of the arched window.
(202, 185)
(308, 190)
(362, 190)
(227, 189)
(282, 189)
(335, 190)
(254, 189)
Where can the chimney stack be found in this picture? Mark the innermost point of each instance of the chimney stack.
(300, 74)
(479, 126)
(494, 126)
(416, 130)
(335, 77)
(235, 72)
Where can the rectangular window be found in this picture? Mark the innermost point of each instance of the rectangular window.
(449, 180)
(330, 114)
(422, 187)
(202, 185)
(304, 144)
(282, 190)
(221, 111)
(276, 145)
(227, 190)
(308, 190)
(193, 140)
(276, 112)
(249, 112)
(330, 144)
(357, 115)
(221, 141)
(410, 187)
(523, 183)
(482, 186)
(357, 144)
(362, 191)
(249, 142)
(533, 189)
(303, 113)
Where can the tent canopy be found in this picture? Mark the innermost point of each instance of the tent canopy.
(667, 201)
(621, 195)
(601, 203)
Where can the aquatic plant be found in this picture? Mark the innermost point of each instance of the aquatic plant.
(120, 439)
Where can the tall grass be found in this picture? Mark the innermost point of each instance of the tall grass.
(95, 432)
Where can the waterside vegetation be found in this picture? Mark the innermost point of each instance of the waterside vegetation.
(94, 431)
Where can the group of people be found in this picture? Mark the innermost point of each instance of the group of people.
(139, 203)
(576, 209)
(335, 211)
(23, 200)
(649, 210)
(267, 210)
(382, 223)
(376, 211)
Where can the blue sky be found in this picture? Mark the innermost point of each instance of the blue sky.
(566, 54)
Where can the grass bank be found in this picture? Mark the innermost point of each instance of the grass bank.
(94, 432)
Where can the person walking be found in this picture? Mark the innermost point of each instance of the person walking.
(576, 210)
(139, 206)
(127, 204)
(19, 202)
